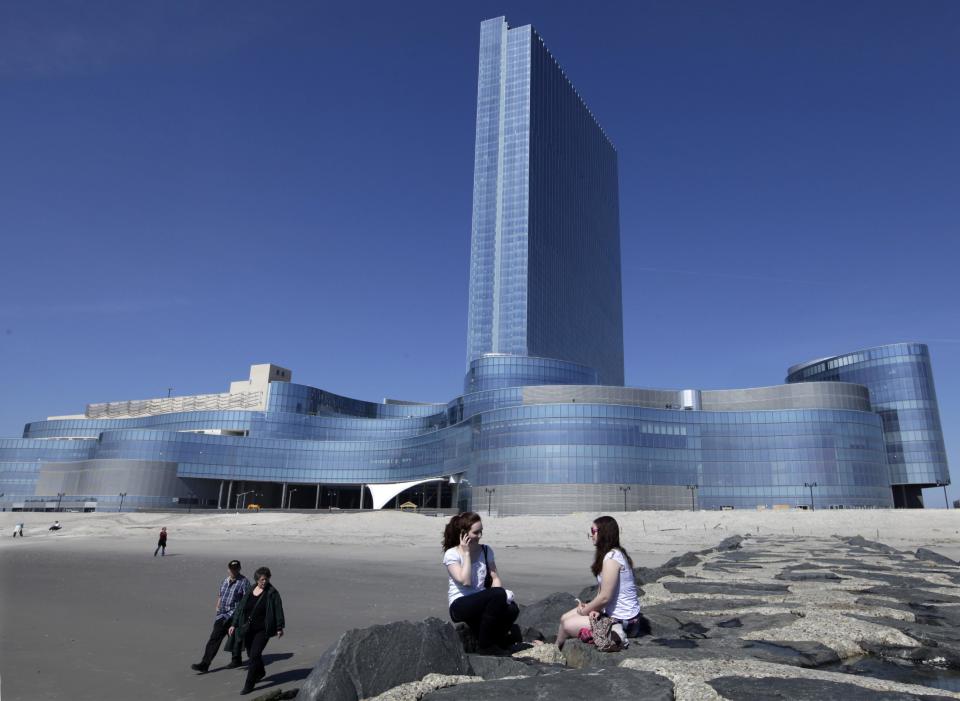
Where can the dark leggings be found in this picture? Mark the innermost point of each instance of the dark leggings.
(487, 613)
(255, 641)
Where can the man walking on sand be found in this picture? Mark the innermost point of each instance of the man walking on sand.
(161, 543)
(232, 590)
(18, 530)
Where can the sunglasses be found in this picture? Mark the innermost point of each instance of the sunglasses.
(593, 532)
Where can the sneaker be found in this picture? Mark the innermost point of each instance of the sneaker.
(246, 690)
(199, 667)
(234, 663)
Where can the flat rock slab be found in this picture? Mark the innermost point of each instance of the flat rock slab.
(808, 576)
(946, 637)
(931, 556)
(668, 620)
(490, 667)
(705, 605)
(912, 596)
(729, 567)
(573, 685)
(776, 689)
(793, 653)
(733, 589)
(798, 653)
(894, 580)
(859, 542)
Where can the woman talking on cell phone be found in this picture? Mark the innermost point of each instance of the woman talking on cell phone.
(475, 593)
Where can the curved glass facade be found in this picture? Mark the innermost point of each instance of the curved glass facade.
(899, 377)
(531, 449)
(501, 371)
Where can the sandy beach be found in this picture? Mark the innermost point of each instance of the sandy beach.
(89, 613)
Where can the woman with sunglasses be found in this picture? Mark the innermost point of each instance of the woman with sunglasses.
(617, 595)
(475, 593)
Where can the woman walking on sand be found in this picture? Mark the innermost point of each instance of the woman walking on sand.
(161, 543)
(475, 593)
(257, 618)
(617, 596)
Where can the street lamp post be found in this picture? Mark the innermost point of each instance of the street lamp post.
(624, 490)
(290, 497)
(693, 495)
(811, 485)
(236, 505)
(60, 496)
(489, 492)
(122, 495)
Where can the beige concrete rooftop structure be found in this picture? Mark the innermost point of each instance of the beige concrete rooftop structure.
(244, 395)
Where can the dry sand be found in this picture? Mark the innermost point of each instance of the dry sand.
(89, 613)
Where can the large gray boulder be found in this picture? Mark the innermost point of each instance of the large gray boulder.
(540, 620)
(573, 685)
(365, 662)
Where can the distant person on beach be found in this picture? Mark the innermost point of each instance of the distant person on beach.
(232, 590)
(18, 530)
(257, 618)
(161, 543)
(617, 596)
(55, 527)
(475, 593)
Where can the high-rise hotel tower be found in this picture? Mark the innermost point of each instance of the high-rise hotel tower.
(545, 239)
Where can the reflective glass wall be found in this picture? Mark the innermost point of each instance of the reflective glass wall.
(900, 380)
(530, 449)
(545, 239)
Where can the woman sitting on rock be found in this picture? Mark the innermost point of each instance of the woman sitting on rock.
(617, 596)
(475, 593)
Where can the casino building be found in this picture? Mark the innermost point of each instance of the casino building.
(544, 425)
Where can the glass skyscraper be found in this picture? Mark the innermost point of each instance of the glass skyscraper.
(545, 239)
(544, 424)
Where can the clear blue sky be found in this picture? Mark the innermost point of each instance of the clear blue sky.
(188, 188)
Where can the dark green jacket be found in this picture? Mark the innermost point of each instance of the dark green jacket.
(274, 622)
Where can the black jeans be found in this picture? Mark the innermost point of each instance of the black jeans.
(220, 628)
(254, 642)
(487, 613)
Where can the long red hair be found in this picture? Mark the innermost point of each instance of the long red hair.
(457, 525)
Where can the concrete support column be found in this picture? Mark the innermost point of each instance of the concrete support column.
(220, 496)
(362, 487)
(439, 493)
(317, 505)
(283, 496)
(229, 493)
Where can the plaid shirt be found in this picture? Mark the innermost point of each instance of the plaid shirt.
(231, 592)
